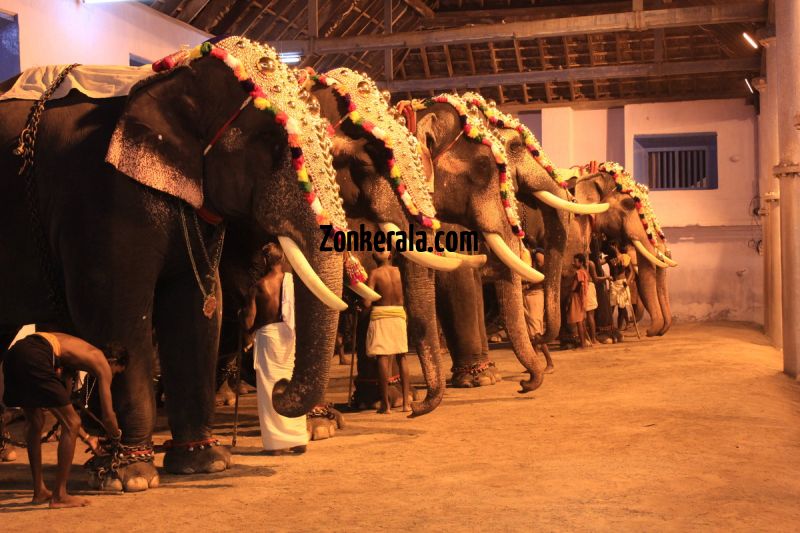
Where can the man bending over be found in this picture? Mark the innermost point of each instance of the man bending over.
(39, 371)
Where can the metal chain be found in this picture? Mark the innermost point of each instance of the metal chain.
(26, 150)
(191, 254)
(218, 240)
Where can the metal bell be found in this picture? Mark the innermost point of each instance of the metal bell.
(266, 64)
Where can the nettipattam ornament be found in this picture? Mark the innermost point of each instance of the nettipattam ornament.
(625, 184)
(502, 120)
(272, 87)
(475, 130)
(369, 109)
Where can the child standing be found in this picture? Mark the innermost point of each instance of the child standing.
(577, 305)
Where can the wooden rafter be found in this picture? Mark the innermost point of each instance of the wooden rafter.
(521, 68)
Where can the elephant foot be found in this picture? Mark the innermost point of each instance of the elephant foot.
(477, 375)
(323, 421)
(7, 454)
(129, 469)
(204, 456)
(225, 396)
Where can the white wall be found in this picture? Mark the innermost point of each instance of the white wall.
(711, 233)
(69, 31)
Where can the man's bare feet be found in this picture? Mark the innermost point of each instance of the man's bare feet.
(384, 410)
(41, 496)
(406, 409)
(68, 501)
(549, 369)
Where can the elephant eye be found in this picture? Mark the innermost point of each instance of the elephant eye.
(516, 146)
(628, 203)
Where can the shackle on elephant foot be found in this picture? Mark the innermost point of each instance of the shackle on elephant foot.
(206, 456)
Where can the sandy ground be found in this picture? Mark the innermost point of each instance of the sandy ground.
(697, 430)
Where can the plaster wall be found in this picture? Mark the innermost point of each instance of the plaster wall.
(712, 233)
(70, 31)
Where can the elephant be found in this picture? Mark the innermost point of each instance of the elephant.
(114, 177)
(546, 213)
(631, 222)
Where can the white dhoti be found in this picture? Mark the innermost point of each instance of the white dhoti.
(273, 359)
(387, 334)
(533, 301)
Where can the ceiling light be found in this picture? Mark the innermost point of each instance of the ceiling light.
(290, 58)
(750, 40)
(749, 86)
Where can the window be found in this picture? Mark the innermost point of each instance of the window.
(9, 46)
(137, 61)
(678, 161)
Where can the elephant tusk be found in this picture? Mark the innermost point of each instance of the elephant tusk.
(559, 203)
(510, 259)
(472, 261)
(647, 255)
(670, 261)
(425, 259)
(363, 290)
(307, 275)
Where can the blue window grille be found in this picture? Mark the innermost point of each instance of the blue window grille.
(686, 161)
(9, 46)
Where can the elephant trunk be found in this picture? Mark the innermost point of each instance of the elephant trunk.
(649, 294)
(509, 297)
(663, 298)
(420, 301)
(315, 337)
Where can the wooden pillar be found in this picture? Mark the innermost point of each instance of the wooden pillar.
(769, 190)
(787, 18)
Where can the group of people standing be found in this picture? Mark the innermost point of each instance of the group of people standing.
(607, 272)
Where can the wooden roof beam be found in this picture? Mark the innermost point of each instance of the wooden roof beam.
(642, 70)
(638, 21)
(420, 7)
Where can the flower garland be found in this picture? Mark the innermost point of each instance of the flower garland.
(501, 120)
(261, 101)
(625, 184)
(395, 176)
(476, 131)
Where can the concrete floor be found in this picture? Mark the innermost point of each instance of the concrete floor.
(696, 430)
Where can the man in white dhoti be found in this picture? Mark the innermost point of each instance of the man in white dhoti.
(270, 316)
(387, 335)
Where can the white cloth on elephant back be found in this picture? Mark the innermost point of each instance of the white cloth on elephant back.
(534, 311)
(591, 297)
(95, 81)
(273, 359)
(387, 334)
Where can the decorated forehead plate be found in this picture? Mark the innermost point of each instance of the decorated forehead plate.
(369, 109)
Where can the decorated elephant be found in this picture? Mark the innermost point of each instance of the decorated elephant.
(545, 209)
(127, 228)
(631, 221)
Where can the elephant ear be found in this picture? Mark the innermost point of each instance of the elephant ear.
(156, 141)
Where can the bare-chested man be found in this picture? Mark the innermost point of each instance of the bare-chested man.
(270, 317)
(386, 336)
(38, 375)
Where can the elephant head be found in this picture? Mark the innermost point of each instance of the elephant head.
(223, 128)
(547, 205)
(472, 189)
(383, 183)
(629, 222)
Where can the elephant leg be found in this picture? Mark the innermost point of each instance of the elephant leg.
(649, 296)
(420, 302)
(187, 345)
(7, 451)
(461, 326)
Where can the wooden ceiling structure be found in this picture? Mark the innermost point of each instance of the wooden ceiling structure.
(522, 53)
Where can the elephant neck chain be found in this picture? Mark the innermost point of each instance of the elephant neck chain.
(209, 298)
